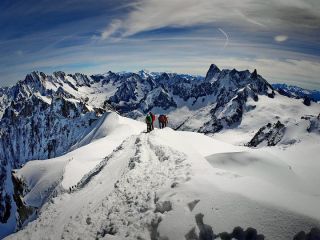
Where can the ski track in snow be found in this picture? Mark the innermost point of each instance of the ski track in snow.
(124, 204)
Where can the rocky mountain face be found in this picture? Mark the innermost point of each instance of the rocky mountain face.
(221, 96)
(269, 135)
(285, 134)
(44, 116)
(39, 120)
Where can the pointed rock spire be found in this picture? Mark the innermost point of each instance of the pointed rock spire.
(254, 74)
(213, 70)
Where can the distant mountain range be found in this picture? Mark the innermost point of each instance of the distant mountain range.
(297, 92)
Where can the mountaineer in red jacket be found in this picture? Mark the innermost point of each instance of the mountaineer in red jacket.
(163, 121)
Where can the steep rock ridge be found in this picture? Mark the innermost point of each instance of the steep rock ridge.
(230, 91)
(222, 94)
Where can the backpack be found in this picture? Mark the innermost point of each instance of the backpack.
(161, 118)
(148, 119)
(153, 117)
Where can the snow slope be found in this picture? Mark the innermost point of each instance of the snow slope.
(270, 110)
(153, 186)
(67, 170)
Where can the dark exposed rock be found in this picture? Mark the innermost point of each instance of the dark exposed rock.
(307, 101)
(191, 205)
(191, 235)
(212, 72)
(314, 234)
(300, 236)
(238, 233)
(251, 234)
(153, 228)
(225, 236)
(271, 135)
(205, 231)
(254, 74)
(23, 211)
(163, 207)
(5, 207)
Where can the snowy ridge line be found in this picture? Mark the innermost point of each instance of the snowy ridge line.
(87, 177)
(59, 188)
(89, 135)
(162, 179)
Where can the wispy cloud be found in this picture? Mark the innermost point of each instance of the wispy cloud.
(153, 14)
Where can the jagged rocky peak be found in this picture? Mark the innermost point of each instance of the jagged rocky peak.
(35, 78)
(81, 79)
(212, 72)
(254, 74)
(59, 75)
(164, 76)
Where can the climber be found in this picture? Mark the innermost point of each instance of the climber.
(149, 122)
(163, 121)
(153, 118)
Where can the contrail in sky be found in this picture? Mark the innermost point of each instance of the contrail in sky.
(226, 35)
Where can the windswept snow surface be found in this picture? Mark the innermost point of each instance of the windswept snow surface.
(153, 185)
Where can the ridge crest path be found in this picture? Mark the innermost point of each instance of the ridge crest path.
(120, 199)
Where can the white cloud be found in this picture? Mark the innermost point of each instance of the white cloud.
(111, 29)
(154, 14)
(281, 38)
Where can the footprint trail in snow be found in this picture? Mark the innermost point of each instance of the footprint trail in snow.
(120, 199)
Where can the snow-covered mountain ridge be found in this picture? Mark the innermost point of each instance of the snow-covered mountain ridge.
(170, 185)
(46, 116)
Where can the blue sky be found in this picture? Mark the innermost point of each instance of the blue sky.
(279, 38)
